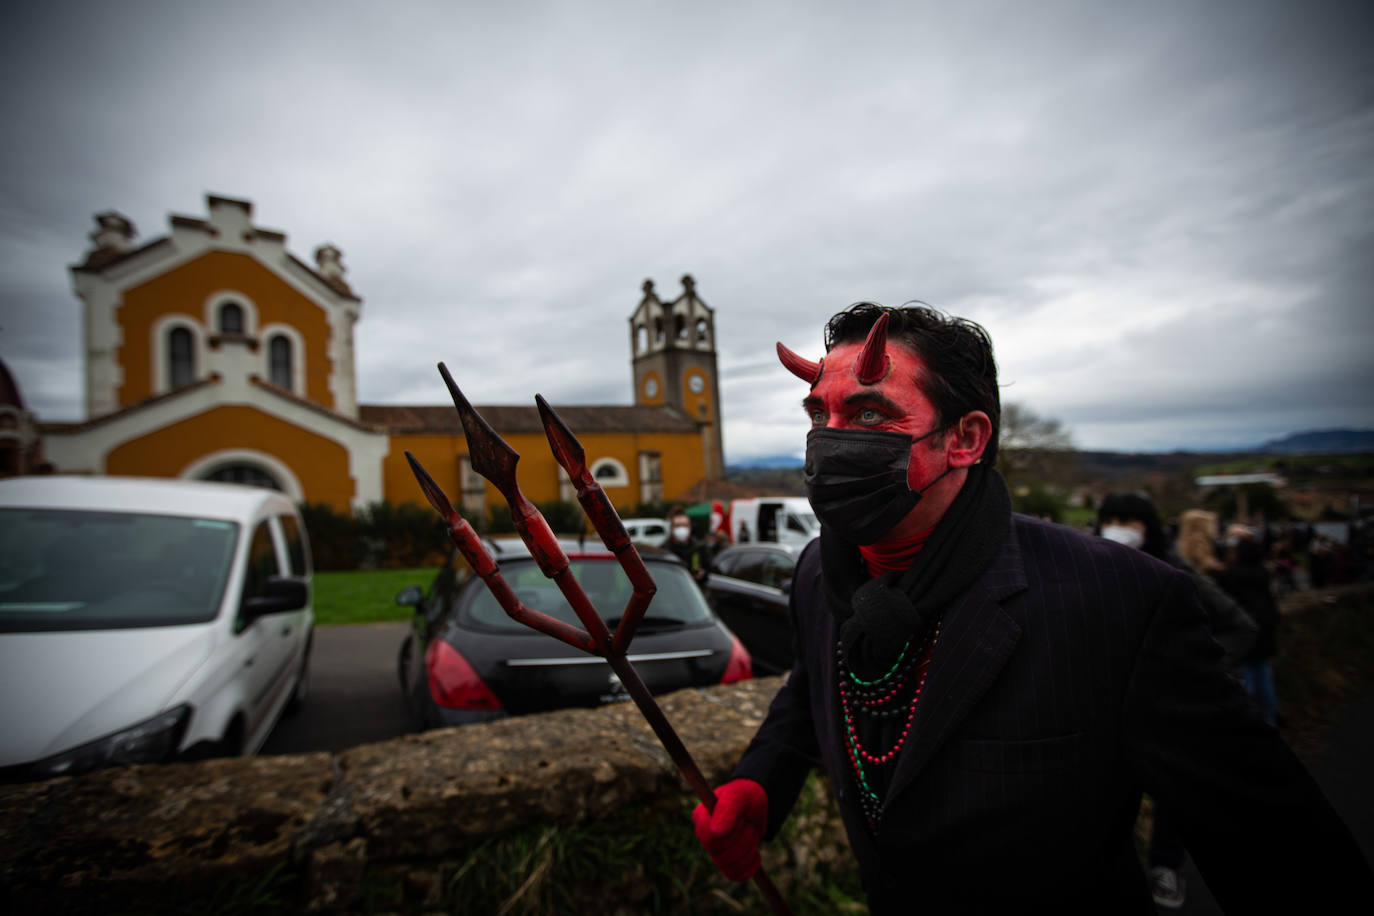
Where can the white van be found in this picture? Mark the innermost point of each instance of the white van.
(146, 620)
(650, 531)
(773, 519)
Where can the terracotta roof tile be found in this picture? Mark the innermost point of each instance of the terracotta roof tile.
(581, 420)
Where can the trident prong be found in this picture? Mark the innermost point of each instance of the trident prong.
(597, 506)
(495, 460)
(490, 455)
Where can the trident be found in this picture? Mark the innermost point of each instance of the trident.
(495, 460)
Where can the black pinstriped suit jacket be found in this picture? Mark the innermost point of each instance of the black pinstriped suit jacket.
(1072, 676)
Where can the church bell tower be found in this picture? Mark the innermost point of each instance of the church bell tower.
(674, 363)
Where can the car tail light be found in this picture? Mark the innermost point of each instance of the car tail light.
(741, 666)
(453, 682)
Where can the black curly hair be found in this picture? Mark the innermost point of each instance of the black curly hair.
(962, 373)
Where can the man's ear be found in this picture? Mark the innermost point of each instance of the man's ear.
(969, 438)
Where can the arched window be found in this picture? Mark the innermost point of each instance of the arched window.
(279, 358)
(703, 333)
(231, 318)
(610, 473)
(250, 475)
(181, 357)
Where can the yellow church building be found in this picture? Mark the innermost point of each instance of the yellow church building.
(214, 353)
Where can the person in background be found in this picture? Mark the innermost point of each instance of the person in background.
(1197, 540)
(1131, 519)
(1246, 579)
(1283, 558)
(684, 546)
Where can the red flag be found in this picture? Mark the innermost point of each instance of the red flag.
(719, 521)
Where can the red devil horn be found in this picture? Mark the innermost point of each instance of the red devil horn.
(803, 369)
(872, 362)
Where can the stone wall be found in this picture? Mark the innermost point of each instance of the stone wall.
(149, 838)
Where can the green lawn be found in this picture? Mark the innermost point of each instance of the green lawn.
(364, 596)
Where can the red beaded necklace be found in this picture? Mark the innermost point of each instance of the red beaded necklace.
(882, 697)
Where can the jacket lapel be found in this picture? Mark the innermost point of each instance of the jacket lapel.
(976, 639)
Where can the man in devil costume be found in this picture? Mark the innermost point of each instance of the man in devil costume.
(990, 694)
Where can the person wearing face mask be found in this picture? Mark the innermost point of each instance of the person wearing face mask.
(989, 694)
(686, 548)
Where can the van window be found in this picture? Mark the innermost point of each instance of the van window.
(768, 522)
(262, 563)
(85, 570)
(295, 546)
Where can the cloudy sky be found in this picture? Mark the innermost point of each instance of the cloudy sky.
(1162, 212)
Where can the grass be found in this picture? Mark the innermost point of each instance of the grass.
(365, 596)
(640, 860)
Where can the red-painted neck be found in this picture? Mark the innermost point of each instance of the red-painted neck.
(893, 556)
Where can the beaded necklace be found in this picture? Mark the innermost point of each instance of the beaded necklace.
(889, 696)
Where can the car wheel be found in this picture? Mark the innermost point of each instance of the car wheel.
(302, 688)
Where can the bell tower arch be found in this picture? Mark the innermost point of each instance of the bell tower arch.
(673, 358)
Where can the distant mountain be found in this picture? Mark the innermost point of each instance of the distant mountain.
(1125, 464)
(1322, 442)
(765, 462)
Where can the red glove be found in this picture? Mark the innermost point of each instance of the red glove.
(731, 833)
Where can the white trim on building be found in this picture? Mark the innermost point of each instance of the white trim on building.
(271, 465)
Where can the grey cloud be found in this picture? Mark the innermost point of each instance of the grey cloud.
(502, 180)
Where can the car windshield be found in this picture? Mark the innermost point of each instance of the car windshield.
(677, 602)
(73, 570)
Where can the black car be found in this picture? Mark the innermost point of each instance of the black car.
(466, 661)
(748, 588)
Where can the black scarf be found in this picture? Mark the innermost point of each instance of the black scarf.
(879, 616)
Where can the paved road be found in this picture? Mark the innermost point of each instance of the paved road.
(354, 695)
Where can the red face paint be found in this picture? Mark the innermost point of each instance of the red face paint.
(895, 403)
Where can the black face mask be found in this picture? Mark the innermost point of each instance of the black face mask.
(856, 480)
